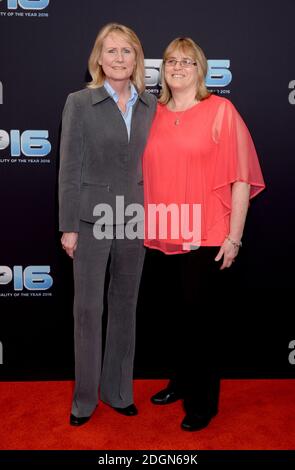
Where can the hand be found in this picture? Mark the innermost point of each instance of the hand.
(229, 252)
(69, 241)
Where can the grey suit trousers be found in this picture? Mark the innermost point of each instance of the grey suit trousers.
(114, 375)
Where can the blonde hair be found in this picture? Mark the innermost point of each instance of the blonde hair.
(187, 46)
(95, 69)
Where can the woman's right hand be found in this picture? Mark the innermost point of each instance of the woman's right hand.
(69, 241)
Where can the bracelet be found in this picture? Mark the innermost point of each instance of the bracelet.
(236, 245)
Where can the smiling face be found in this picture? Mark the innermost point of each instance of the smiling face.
(178, 76)
(118, 58)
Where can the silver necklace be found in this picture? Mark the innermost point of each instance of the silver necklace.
(177, 120)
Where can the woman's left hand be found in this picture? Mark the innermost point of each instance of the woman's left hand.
(228, 251)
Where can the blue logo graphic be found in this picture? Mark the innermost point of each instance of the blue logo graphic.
(27, 4)
(218, 74)
(152, 72)
(29, 143)
(31, 278)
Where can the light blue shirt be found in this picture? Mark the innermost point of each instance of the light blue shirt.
(127, 116)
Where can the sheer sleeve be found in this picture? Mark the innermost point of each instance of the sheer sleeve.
(236, 157)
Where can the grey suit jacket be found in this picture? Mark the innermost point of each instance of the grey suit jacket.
(97, 160)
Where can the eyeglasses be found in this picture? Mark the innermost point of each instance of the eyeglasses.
(182, 62)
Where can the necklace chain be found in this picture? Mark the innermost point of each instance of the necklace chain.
(177, 120)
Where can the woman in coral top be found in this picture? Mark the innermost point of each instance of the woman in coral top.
(200, 171)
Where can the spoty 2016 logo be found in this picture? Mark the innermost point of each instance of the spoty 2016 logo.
(218, 74)
(27, 4)
(32, 278)
(30, 143)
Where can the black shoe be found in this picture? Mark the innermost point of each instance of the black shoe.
(75, 421)
(166, 396)
(196, 422)
(130, 410)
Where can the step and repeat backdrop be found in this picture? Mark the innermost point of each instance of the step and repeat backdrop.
(45, 47)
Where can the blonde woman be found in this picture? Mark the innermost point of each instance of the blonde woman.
(104, 132)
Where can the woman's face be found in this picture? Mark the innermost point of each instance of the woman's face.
(181, 77)
(117, 58)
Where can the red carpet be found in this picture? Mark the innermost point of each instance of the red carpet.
(254, 414)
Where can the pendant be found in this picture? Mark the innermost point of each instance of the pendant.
(177, 122)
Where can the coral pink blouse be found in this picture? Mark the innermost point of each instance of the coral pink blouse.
(195, 163)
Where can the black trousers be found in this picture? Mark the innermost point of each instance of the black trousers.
(194, 326)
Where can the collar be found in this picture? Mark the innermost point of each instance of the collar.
(114, 94)
(100, 94)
